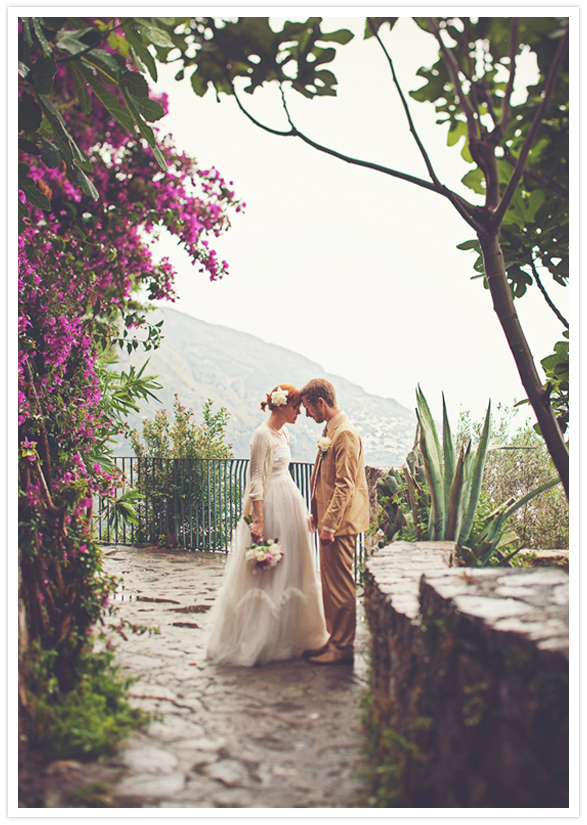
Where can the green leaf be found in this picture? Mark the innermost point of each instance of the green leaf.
(475, 180)
(33, 195)
(29, 113)
(454, 498)
(466, 154)
(118, 111)
(448, 453)
(377, 23)
(22, 213)
(341, 36)
(135, 83)
(38, 27)
(26, 29)
(473, 244)
(458, 130)
(80, 86)
(150, 109)
(199, 83)
(43, 72)
(111, 65)
(140, 50)
(476, 477)
(430, 447)
(146, 132)
(50, 154)
(157, 36)
(28, 146)
(84, 182)
(69, 148)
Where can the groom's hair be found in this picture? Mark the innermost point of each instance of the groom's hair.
(319, 388)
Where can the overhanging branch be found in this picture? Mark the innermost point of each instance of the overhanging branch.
(464, 208)
(453, 70)
(547, 297)
(294, 132)
(506, 111)
(532, 132)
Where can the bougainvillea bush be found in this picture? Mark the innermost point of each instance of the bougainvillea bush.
(84, 253)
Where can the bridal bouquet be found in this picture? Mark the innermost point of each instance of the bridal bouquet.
(264, 554)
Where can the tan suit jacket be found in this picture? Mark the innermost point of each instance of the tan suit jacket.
(341, 500)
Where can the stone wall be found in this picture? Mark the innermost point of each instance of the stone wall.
(373, 474)
(469, 679)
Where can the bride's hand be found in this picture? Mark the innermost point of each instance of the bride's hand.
(311, 525)
(257, 529)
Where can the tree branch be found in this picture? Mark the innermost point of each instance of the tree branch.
(457, 202)
(294, 132)
(419, 143)
(453, 70)
(254, 120)
(546, 296)
(506, 111)
(532, 132)
(536, 176)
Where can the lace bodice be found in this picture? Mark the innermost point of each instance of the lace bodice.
(265, 446)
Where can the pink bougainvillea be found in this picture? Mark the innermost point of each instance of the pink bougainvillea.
(80, 266)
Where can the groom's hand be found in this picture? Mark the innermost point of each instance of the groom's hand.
(326, 536)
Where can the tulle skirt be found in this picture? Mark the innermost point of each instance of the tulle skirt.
(275, 613)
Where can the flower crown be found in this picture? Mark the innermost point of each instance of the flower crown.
(279, 397)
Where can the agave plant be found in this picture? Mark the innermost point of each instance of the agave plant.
(454, 484)
(446, 483)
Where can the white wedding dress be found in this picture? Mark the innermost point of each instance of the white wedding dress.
(275, 613)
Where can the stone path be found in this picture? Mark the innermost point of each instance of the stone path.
(286, 735)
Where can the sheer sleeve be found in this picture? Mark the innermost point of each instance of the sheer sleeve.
(259, 448)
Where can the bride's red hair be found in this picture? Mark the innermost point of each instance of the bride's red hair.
(294, 397)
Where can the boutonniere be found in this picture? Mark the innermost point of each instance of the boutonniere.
(324, 444)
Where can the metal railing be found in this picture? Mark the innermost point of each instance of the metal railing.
(193, 503)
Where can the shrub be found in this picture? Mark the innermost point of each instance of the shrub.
(91, 719)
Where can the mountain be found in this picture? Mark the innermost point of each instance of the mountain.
(198, 361)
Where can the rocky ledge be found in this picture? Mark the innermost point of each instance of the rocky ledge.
(469, 678)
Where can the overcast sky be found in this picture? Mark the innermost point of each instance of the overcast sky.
(352, 268)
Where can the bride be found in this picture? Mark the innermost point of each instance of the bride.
(274, 613)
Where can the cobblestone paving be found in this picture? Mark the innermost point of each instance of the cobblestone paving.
(285, 735)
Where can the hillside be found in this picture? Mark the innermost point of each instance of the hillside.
(198, 361)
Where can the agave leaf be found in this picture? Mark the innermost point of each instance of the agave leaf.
(506, 538)
(430, 448)
(476, 477)
(455, 500)
(435, 525)
(430, 530)
(449, 455)
(428, 426)
(493, 536)
(529, 496)
(488, 540)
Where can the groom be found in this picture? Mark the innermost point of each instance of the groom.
(340, 511)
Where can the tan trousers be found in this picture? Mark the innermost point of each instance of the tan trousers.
(338, 591)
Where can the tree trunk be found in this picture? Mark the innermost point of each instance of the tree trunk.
(503, 304)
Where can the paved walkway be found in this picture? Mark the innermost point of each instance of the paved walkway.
(285, 735)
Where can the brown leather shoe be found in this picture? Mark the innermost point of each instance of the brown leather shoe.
(332, 657)
(308, 653)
